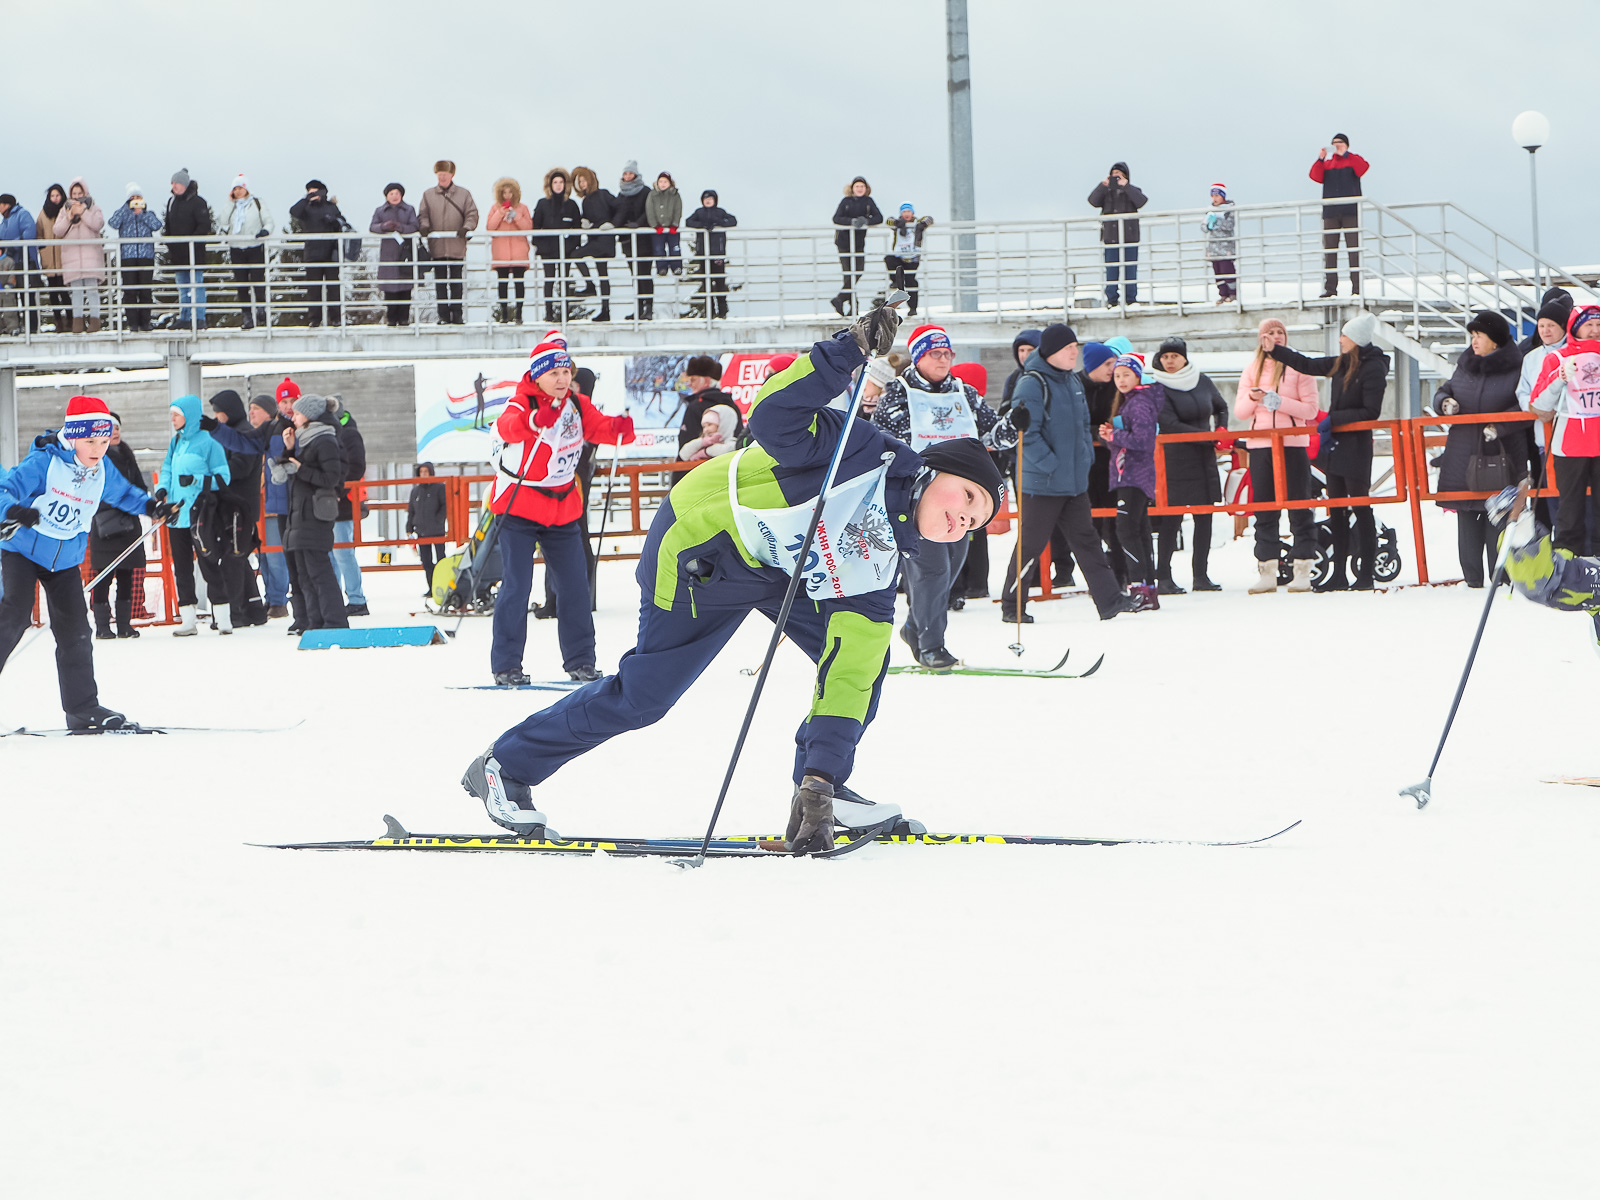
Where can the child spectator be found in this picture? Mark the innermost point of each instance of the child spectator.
(45, 509)
(112, 531)
(712, 218)
(906, 232)
(718, 426)
(1131, 436)
(1221, 248)
(664, 210)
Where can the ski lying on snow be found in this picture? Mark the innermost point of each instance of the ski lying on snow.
(1580, 780)
(1054, 672)
(133, 730)
(552, 685)
(397, 837)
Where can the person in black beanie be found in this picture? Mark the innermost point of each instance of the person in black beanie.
(711, 250)
(1555, 305)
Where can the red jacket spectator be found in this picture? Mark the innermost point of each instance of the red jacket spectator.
(1340, 175)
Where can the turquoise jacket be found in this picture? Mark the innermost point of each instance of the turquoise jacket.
(193, 455)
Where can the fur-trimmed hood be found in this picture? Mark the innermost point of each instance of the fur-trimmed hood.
(551, 174)
(853, 182)
(516, 190)
(591, 181)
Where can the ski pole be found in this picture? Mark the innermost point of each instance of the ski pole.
(605, 518)
(490, 537)
(896, 298)
(1423, 792)
(1017, 647)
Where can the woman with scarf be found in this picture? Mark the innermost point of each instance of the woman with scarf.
(55, 200)
(628, 213)
(1130, 435)
(1191, 404)
(83, 256)
(398, 222)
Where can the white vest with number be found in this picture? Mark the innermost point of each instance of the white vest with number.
(854, 551)
(71, 496)
(938, 417)
(1580, 431)
(565, 439)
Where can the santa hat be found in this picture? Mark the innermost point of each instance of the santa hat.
(1134, 363)
(87, 416)
(553, 337)
(1220, 187)
(928, 337)
(547, 356)
(287, 390)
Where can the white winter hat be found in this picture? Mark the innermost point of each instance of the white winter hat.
(133, 189)
(881, 372)
(239, 181)
(1361, 328)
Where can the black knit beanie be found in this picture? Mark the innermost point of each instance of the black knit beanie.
(967, 458)
(1055, 337)
(1173, 345)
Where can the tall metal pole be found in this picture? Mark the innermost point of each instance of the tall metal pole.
(963, 202)
(1533, 180)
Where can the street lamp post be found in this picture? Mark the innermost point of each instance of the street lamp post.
(1530, 131)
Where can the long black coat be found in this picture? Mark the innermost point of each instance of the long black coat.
(598, 208)
(1118, 198)
(1101, 397)
(353, 453)
(242, 492)
(320, 467)
(556, 212)
(186, 216)
(1482, 384)
(103, 550)
(1192, 466)
(425, 511)
(1360, 399)
(317, 214)
(851, 208)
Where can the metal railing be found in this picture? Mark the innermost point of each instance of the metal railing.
(1425, 266)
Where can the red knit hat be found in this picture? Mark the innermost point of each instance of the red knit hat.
(287, 390)
(553, 336)
(974, 373)
(87, 416)
(547, 356)
(925, 338)
(780, 362)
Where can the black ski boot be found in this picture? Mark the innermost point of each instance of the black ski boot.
(586, 674)
(509, 802)
(516, 678)
(102, 623)
(1008, 616)
(545, 611)
(938, 659)
(810, 817)
(97, 720)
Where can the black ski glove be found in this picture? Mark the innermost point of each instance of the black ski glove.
(811, 817)
(1020, 419)
(208, 423)
(874, 331)
(23, 515)
(185, 480)
(158, 509)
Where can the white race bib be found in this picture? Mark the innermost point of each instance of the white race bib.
(938, 417)
(71, 496)
(565, 439)
(854, 551)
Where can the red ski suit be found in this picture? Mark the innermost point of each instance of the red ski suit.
(528, 416)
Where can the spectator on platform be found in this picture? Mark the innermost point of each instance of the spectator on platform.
(447, 216)
(1115, 195)
(1358, 375)
(1130, 435)
(398, 223)
(317, 212)
(508, 255)
(700, 379)
(557, 210)
(194, 465)
(18, 266)
(1340, 176)
(1191, 403)
(188, 215)
(1484, 381)
(311, 467)
(243, 224)
(83, 256)
(426, 518)
(710, 219)
(134, 221)
(51, 286)
(856, 213)
(353, 454)
(1221, 248)
(926, 406)
(664, 210)
(628, 213)
(110, 533)
(905, 251)
(596, 205)
(1049, 406)
(1273, 396)
(243, 437)
(1023, 345)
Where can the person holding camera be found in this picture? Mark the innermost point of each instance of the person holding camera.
(83, 260)
(1340, 175)
(132, 221)
(317, 212)
(1115, 194)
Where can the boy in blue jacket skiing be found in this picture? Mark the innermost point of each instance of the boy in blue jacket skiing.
(46, 505)
(725, 543)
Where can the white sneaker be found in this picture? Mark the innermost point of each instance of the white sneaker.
(509, 802)
(185, 622)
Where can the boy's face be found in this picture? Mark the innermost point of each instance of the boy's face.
(951, 507)
(1218, 198)
(91, 450)
(707, 201)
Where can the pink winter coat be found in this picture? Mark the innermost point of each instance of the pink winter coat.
(1300, 405)
(83, 254)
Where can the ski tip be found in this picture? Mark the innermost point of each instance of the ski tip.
(1420, 792)
(1096, 666)
(393, 828)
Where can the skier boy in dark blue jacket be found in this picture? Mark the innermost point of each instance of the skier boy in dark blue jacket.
(46, 505)
(725, 542)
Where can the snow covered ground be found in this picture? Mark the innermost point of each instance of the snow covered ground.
(1383, 1002)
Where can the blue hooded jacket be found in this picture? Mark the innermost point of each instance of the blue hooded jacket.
(30, 482)
(18, 226)
(193, 455)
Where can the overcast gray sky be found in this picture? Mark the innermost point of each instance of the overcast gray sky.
(778, 104)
